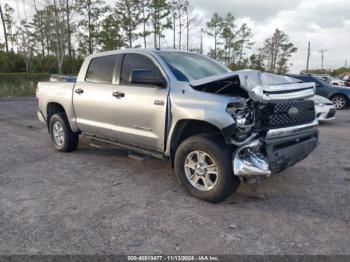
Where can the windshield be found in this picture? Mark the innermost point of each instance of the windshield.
(188, 67)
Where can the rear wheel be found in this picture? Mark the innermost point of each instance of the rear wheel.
(62, 137)
(340, 101)
(204, 166)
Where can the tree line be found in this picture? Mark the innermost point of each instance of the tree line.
(61, 33)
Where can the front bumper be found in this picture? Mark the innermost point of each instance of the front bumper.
(279, 149)
(325, 112)
(283, 152)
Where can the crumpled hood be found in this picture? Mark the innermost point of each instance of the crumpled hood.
(264, 87)
(252, 78)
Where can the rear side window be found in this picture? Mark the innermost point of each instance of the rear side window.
(101, 69)
(136, 61)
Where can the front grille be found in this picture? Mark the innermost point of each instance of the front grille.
(284, 114)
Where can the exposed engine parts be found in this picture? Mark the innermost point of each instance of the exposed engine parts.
(243, 113)
(249, 161)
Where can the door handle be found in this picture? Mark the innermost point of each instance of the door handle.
(118, 94)
(79, 91)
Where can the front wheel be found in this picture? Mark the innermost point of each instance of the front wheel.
(339, 101)
(62, 137)
(204, 166)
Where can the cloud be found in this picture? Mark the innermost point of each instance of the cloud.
(326, 23)
(254, 9)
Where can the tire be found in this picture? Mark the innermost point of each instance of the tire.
(62, 137)
(340, 101)
(214, 151)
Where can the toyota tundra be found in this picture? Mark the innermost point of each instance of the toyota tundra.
(217, 127)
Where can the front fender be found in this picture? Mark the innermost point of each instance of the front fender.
(189, 104)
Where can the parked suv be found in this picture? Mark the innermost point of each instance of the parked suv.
(217, 127)
(340, 96)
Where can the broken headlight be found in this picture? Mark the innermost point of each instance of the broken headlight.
(244, 116)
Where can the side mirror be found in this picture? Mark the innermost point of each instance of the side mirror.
(146, 77)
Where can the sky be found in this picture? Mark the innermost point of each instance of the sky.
(325, 23)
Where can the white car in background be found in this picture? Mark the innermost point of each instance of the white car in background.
(333, 80)
(325, 108)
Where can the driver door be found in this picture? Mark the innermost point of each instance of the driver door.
(140, 109)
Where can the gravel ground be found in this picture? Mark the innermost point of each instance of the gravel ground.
(100, 201)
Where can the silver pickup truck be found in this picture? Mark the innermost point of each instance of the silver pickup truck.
(217, 127)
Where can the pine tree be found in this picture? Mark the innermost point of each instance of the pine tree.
(129, 15)
(110, 37)
(256, 62)
(160, 19)
(89, 25)
(10, 25)
(69, 8)
(229, 36)
(4, 28)
(276, 51)
(214, 29)
(173, 5)
(144, 6)
(245, 35)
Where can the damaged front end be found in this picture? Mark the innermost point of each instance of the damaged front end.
(250, 161)
(274, 121)
(277, 127)
(272, 152)
(275, 124)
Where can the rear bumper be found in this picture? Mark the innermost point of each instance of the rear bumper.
(276, 151)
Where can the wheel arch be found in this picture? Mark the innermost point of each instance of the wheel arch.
(53, 108)
(186, 128)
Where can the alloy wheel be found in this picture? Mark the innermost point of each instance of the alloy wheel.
(58, 133)
(339, 102)
(201, 170)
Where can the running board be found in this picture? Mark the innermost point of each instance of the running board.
(138, 156)
(139, 150)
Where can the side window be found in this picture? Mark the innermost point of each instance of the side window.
(101, 69)
(135, 62)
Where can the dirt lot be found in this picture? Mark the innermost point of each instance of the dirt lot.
(100, 201)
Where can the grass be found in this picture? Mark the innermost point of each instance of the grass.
(20, 84)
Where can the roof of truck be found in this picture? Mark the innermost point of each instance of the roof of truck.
(135, 50)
